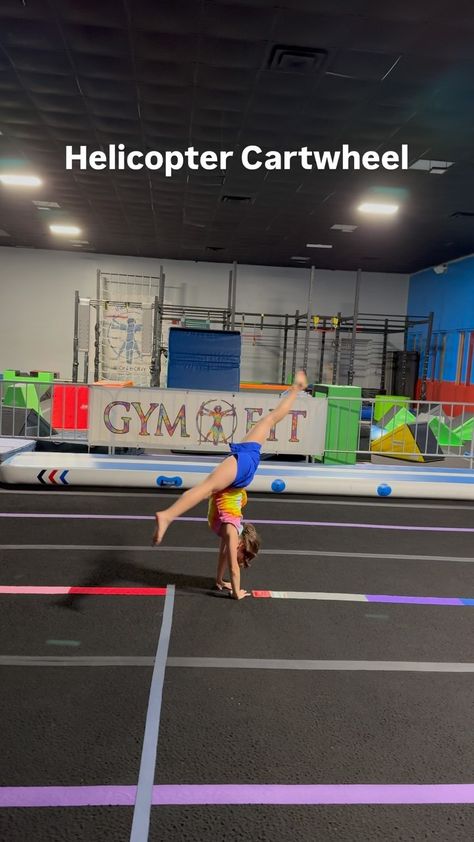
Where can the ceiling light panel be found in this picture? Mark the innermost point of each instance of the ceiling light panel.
(378, 208)
(20, 180)
(65, 230)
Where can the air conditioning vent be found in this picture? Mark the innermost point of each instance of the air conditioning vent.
(215, 248)
(462, 214)
(287, 59)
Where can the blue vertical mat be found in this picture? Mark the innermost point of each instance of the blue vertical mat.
(204, 359)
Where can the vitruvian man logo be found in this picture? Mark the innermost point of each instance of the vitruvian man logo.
(216, 421)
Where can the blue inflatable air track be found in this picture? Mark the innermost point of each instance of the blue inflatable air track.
(204, 359)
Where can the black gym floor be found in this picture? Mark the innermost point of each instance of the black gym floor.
(80, 722)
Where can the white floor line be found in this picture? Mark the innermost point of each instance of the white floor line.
(138, 548)
(316, 501)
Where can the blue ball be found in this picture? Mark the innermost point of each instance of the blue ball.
(384, 490)
(278, 485)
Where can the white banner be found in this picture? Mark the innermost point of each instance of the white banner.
(199, 420)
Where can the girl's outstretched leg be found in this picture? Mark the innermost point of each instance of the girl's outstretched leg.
(221, 477)
(262, 428)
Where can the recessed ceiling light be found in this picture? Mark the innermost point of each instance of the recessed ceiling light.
(20, 180)
(65, 230)
(79, 242)
(318, 245)
(379, 208)
(347, 229)
(45, 205)
(300, 259)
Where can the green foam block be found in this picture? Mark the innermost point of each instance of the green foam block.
(464, 431)
(443, 434)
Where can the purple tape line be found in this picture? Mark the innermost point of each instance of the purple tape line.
(67, 796)
(416, 600)
(315, 794)
(341, 525)
(344, 525)
(189, 794)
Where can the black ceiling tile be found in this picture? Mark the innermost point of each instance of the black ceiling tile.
(107, 90)
(271, 103)
(58, 104)
(116, 125)
(224, 78)
(219, 100)
(46, 84)
(179, 16)
(97, 40)
(35, 10)
(319, 31)
(106, 136)
(217, 118)
(97, 67)
(13, 101)
(36, 35)
(172, 74)
(162, 135)
(227, 21)
(452, 41)
(12, 117)
(233, 54)
(126, 109)
(165, 47)
(39, 60)
(107, 13)
(180, 97)
(408, 11)
(371, 34)
(205, 138)
(67, 136)
(285, 85)
(390, 114)
(60, 121)
(161, 115)
(8, 76)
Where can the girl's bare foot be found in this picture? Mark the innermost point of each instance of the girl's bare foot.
(161, 526)
(301, 380)
(223, 586)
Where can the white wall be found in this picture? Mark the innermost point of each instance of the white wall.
(37, 298)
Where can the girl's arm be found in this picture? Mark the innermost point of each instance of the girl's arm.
(221, 567)
(231, 539)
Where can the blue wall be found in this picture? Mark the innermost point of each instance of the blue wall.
(451, 297)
